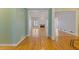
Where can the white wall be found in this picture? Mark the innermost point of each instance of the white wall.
(66, 21)
(43, 18)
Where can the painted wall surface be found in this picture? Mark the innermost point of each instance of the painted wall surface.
(77, 16)
(65, 9)
(26, 21)
(53, 25)
(78, 21)
(12, 25)
(78, 27)
(18, 24)
(43, 17)
(66, 21)
(5, 26)
(50, 22)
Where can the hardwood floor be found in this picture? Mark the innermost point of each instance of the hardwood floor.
(41, 42)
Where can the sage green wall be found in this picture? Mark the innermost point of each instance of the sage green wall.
(12, 25)
(18, 24)
(5, 26)
(26, 22)
(50, 22)
(54, 35)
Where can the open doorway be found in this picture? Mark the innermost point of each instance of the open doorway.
(35, 26)
(38, 22)
(65, 24)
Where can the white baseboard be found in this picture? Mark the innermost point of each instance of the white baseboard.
(14, 44)
(7, 44)
(21, 40)
(68, 32)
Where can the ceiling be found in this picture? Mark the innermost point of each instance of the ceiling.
(38, 12)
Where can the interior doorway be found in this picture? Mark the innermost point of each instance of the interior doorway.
(35, 26)
(38, 22)
(65, 23)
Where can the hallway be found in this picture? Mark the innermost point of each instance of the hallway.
(41, 42)
(22, 30)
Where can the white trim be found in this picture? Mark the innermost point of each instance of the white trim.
(68, 32)
(29, 23)
(20, 40)
(46, 27)
(14, 44)
(53, 25)
(7, 44)
(77, 23)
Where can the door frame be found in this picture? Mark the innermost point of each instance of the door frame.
(30, 24)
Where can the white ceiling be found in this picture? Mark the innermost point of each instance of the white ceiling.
(38, 12)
